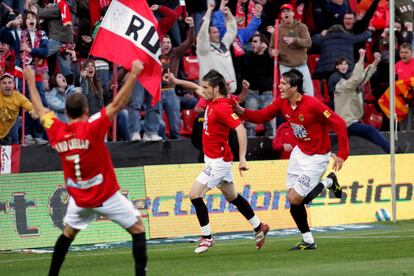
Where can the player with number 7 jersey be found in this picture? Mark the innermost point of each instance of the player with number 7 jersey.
(88, 171)
(86, 163)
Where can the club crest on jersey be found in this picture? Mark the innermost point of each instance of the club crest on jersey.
(234, 116)
(301, 117)
(327, 113)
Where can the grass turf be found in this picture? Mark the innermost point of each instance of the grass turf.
(387, 251)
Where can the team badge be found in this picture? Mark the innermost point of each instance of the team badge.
(301, 118)
(234, 116)
(327, 113)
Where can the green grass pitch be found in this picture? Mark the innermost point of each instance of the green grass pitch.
(385, 251)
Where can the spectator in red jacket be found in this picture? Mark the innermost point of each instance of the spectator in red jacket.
(284, 141)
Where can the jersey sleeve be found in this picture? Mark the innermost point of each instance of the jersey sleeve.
(228, 117)
(99, 124)
(263, 115)
(338, 125)
(50, 122)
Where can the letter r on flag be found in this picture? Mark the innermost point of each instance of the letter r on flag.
(128, 32)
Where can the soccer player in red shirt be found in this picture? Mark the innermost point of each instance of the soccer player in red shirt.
(87, 167)
(311, 122)
(219, 118)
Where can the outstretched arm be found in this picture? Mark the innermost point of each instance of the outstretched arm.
(169, 77)
(122, 98)
(38, 107)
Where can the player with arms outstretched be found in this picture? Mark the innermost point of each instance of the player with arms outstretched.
(311, 122)
(88, 171)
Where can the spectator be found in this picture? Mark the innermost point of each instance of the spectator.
(243, 34)
(213, 52)
(349, 101)
(170, 59)
(294, 41)
(56, 98)
(335, 43)
(61, 35)
(284, 141)
(258, 71)
(404, 9)
(11, 101)
(359, 25)
(405, 67)
(31, 47)
(153, 124)
(7, 54)
(92, 88)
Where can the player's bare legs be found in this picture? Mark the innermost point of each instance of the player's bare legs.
(61, 249)
(260, 229)
(139, 246)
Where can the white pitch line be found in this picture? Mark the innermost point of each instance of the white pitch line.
(78, 254)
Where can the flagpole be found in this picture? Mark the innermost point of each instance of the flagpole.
(276, 58)
(115, 91)
(392, 108)
(23, 58)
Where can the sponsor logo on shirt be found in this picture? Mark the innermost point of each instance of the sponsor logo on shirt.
(327, 113)
(300, 131)
(234, 116)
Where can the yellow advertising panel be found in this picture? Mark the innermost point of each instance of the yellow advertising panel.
(367, 189)
(171, 213)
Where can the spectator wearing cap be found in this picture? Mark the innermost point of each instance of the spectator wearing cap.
(294, 41)
(7, 55)
(11, 101)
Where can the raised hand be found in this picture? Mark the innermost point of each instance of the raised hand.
(136, 68)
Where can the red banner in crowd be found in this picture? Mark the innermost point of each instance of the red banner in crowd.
(128, 32)
(64, 12)
(9, 159)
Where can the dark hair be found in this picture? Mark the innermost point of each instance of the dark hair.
(53, 80)
(25, 17)
(294, 78)
(76, 104)
(350, 12)
(340, 60)
(94, 83)
(263, 38)
(214, 79)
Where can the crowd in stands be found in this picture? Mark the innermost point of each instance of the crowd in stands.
(328, 41)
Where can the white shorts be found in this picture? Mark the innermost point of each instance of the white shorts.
(215, 171)
(305, 171)
(116, 208)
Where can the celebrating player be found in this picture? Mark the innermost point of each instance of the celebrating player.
(311, 121)
(88, 171)
(218, 120)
